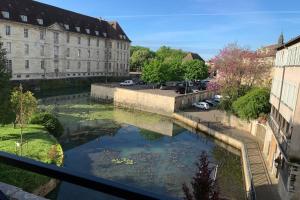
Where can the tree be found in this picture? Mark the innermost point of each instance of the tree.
(195, 70)
(203, 185)
(254, 103)
(156, 72)
(5, 107)
(24, 105)
(168, 54)
(239, 68)
(140, 57)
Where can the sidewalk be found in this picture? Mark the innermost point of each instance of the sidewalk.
(260, 176)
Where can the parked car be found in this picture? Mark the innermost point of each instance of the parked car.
(195, 90)
(201, 105)
(212, 102)
(141, 83)
(127, 83)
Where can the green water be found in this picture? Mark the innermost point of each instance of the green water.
(140, 149)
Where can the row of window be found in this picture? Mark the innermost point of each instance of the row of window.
(74, 74)
(108, 55)
(107, 65)
(108, 44)
(290, 57)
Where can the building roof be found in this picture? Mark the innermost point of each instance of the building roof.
(50, 15)
(193, 56)
(290, 43)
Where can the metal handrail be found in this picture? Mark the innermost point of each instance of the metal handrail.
(88, 181)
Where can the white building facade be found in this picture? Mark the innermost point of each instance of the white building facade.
(45, 42)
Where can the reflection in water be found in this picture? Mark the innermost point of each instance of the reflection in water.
(162, 154)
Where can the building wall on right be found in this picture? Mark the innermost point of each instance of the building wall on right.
(282, 142)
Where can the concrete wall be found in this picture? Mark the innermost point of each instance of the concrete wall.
(184, 101)
(227, 140)
(139, 100)
(101, 92)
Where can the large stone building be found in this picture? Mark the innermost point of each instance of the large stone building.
(46, 42)
(282, 143)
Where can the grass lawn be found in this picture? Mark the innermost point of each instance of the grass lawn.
(38, 145)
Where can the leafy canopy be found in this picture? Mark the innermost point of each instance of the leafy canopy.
(254, 103)
(195, 70)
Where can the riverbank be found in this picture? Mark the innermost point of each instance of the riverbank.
(257, 180)
(38, 144)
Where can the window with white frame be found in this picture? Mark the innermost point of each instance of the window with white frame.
(9, 66)
(8, 47)
(97, 33)
(56, 38)
(42, 64)
(77, 29)
(5, 14)
(68, 64)
(79, 40)
(7, 30)
(79, 64)
(68, 52)
(26, 64)
(98, 42)
(56, 51)
(98, 65)
(87, 31)
(25, 32)
(89, 42)
(89, 53)
(42, 34)
(67, 27)
(26, 50)
(24, 18)
(68, 37)
(42, 50)
(79, 53)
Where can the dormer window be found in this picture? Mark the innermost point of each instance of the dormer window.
(97, 33)
(77, 29)
(67, 27)
(87, 31)
(5, 14)
(40, 21)
(105, 34)
(24, 18)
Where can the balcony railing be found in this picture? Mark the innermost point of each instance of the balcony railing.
(88, 181)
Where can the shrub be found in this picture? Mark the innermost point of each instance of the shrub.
(50, 122)
(251, 105)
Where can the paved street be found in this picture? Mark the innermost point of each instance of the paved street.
(264, 187)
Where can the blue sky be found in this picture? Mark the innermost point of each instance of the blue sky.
(201, 26)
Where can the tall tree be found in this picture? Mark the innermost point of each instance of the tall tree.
(24, 105)
(140, 58)
(156, 72)
(195, 70)
(5, 107)
(239, 69)
(203, 185)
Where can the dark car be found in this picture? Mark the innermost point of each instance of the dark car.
(212, 102)
(141, 83)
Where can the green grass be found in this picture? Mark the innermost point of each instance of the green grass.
(37, 145)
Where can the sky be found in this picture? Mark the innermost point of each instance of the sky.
(200, 26)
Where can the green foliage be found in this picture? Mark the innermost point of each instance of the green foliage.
(156, 72)
(50, 122)
(6, 116)
(23, 104)
(140, 57)
(230, 95)
(37, 146)
(168, 54)
(195, 70)
(251, 105)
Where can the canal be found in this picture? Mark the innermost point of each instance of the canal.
(141, 149)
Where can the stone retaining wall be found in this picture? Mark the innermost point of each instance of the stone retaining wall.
(227, 140)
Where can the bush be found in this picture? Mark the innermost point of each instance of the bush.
(251, 105)
(50, 122)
